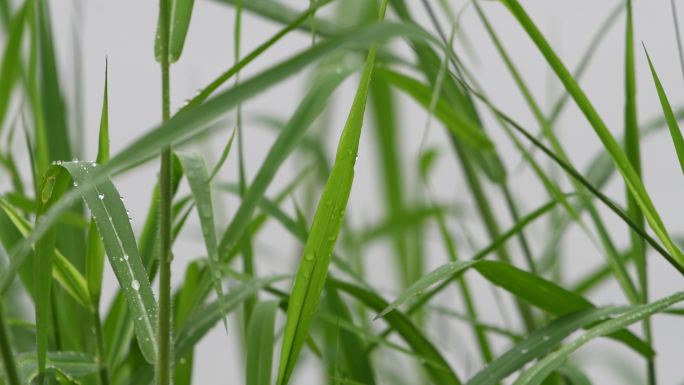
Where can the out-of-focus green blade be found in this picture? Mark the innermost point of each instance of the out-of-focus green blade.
(260, 343)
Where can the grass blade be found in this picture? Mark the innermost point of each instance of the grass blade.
(672, 124)
(538, 372)
(539, 343)
(52, 188)
(260, 342)
(198, 178)
(11, 61)
(181, 12)
(313, 268)
(119, 242)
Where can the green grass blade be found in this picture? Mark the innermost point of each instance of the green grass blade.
(672, 124)
(119, 242)
(183, 306)
(10, 65)
(539, 371)
(260, 342)
(181, 12)
(548, 296)
(313, 267)
(630, 176)
(198, 178)
(439, 274)
(95, 253)
(52, 187)
(539, 343)
(70, 364)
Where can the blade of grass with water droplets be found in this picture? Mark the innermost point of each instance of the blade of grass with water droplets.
(538, 343)
(313, 267)
(548, 296)
(539, 371)
(119, 242)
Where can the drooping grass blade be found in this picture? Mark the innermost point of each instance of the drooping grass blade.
(539, 371)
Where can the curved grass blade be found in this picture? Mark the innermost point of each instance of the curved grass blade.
(549, 297)
(198, 178)
(260, 342)
(535, 290)
(539, 371)
(439, 274)
(70, 364)
(313, 267)
(119, 242)
(672, 124)
(630, 176)
(538, 343)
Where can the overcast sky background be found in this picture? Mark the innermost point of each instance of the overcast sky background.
(123, 31)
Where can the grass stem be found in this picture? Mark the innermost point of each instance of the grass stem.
(163, 365)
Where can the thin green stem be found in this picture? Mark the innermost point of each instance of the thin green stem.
(163, 364)
(11, 371)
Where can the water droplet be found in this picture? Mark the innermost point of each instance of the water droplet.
(523, 351)
(101, 196)
(125, 257)
(74, 159)
(309, 256)
(135, 285)
(75, 184)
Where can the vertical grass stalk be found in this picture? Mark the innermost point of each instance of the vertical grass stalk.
(163, 365)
